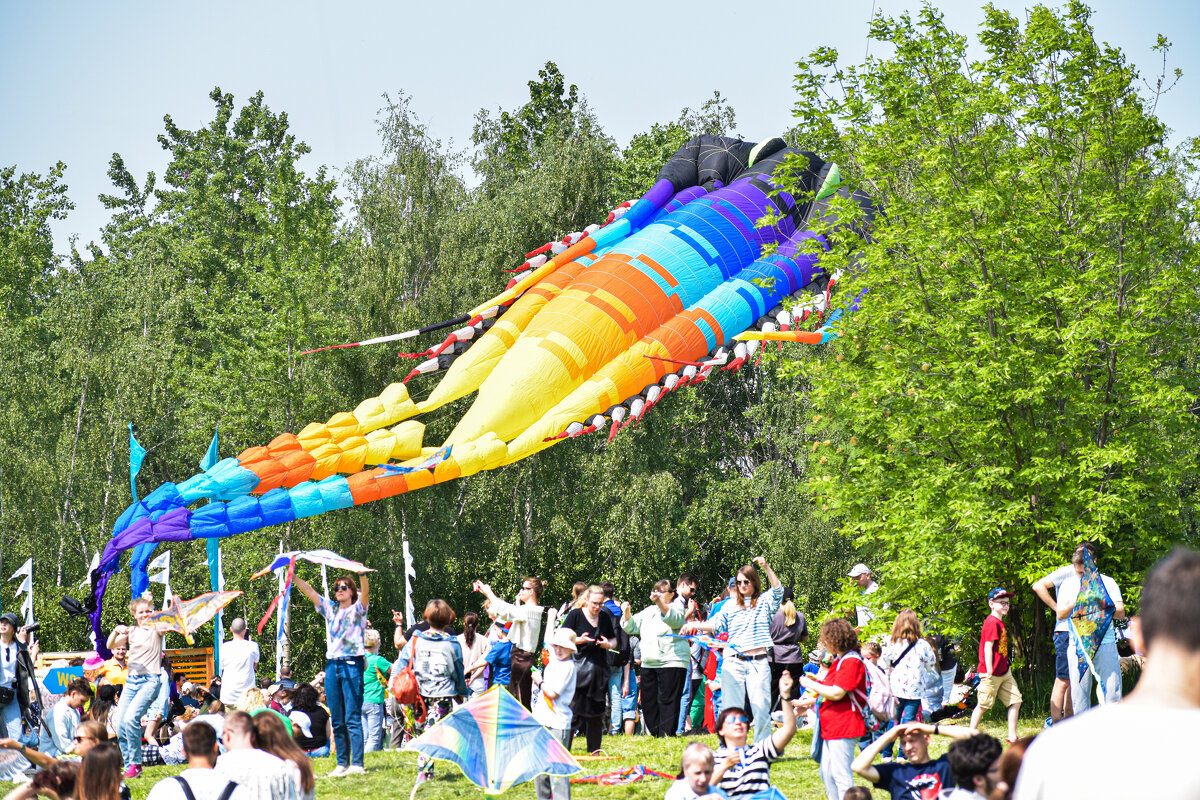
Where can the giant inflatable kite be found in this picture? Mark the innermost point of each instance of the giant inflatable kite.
(590, 334)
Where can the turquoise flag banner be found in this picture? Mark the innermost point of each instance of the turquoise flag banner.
(136, 454)
(211, 457)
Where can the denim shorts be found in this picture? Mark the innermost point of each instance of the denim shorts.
(1062, 644)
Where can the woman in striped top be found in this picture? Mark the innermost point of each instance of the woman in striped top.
(746, 670)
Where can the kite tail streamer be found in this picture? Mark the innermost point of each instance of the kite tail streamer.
(287, 588)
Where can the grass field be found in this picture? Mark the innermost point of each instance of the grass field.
(391, 774)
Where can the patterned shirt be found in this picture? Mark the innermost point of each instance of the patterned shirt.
(344, 628)
(750, 627)
(753, 773)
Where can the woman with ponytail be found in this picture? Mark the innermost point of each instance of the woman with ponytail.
(474, 652)
(788, 631)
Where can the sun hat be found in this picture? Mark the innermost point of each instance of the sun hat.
(93, 662)
(565, 638)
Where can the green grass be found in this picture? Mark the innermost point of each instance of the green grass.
(391, 774)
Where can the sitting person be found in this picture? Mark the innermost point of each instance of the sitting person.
(63, 719)
(55, 781)
(920, 776)
(695, 775)
(265, 776)
(974, 765)
(87, 735)
(271, 737)
(312, 720)
(199, 781)
(742, 770)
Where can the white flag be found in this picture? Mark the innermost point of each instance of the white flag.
(25, 571)
(87, 579)
(26, 588)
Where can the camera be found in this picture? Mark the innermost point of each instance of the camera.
(31, 628)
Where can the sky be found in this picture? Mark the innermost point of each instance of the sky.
(81, 80)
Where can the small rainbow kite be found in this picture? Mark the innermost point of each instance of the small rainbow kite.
(185, 617)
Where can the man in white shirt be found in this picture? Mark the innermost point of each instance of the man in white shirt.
(1060, 698)
(263, 775)
(199, 781)
(57, 735)
(861, 574)
(239, 657)
(1143, 746)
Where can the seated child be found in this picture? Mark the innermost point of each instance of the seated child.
(695, 776)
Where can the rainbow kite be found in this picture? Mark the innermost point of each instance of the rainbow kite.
(496, 743)
(590, 334)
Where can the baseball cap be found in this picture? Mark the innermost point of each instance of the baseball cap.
(859, 569)
(998, 593)
(733, 582)
(11, 619)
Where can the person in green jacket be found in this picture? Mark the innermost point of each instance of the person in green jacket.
(374, 692)
(665, 657)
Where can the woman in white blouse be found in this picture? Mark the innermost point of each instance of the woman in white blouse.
(910, 661)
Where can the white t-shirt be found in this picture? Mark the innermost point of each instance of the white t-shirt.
(58, 732)
(265, 776)
(1057, 577)
(864, 614)
(1068, 592)
(206, 784)
(238, 660)
(8, 664)
(1116, 751)
(559, 677)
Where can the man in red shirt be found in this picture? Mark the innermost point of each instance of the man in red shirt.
(995, 678)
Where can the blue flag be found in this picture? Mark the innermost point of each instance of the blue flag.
(211, 457)
(136, 454)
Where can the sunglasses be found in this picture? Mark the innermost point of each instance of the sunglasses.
(78, 739)
(735, 718)
(341, 586)
(743, 582)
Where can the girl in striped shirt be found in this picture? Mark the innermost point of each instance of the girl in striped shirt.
(746, 668)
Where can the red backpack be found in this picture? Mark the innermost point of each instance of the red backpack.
(404, 686)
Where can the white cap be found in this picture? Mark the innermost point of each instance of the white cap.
(565, 638)
(187, 687)
(859, 569)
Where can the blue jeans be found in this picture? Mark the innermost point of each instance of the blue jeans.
(742, 679)
(320, 752)
(10, 725)
(344, 693)
(372, 721)
(906, 711)
(621, 707)
(685, 703)
(136, 699)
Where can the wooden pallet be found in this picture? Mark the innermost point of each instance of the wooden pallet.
(195, 663)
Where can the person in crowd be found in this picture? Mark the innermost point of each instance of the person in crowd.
(577, 589)
(861, 574)
(789, 631)
(499, 657)
(103, 708)
(943, 645)
(272, 737)
(315, 729)
(375, 678)
(746, 669)
(911, 664)
(622, 676)
(199, 781)
(685, 597)
(1106, 662)
(100, 774)
(85, 736)
(16, 675)
(595, 634)
(611, 605)
(665, 657)
(525, 632)
(744, 768)
(253, 699)
(553, 707)
(1139, 747)
(695, 775)
(279, 698)
(475, 649)
(842, 693)
(973, 765)
(919, 776)
(630, 689)
(437, 661)
(857, 793)
(56, 781)
(264, 775)
(345, 662)
(1060, 693)
(995, 677)
(141, 686)
(61, 723)
(115, 670)
(239, 659)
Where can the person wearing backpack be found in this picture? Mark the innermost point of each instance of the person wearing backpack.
(622, 677)
(199, 781)
(909, 660)
(665, 657)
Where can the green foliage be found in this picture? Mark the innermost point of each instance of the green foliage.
(1020, 376)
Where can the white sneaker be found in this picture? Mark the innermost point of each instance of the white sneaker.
(355, 769)
(337, 772)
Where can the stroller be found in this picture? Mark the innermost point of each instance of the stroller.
(962, 699)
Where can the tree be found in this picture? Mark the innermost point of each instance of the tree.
(1019, 375)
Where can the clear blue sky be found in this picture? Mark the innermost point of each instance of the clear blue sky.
(82, 80)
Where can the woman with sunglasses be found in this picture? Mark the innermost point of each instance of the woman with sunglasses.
(525, 634)
(345, 662)
(16, 675)
(742, 768)
(746, 668)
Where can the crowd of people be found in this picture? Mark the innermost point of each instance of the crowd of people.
(741, 667)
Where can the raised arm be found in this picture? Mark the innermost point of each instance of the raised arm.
(308, 591)
(864, 765)
(781, 737)
(772, 578)
(363, 593)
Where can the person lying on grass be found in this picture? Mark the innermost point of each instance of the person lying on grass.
(746, 770)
